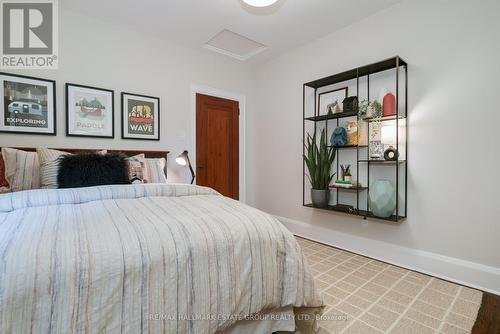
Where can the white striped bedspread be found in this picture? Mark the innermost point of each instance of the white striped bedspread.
(142, 259)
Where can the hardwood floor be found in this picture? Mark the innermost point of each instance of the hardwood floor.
(488, 318)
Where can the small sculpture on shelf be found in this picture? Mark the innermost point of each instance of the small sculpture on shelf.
(333, 108)
(355, 134)
(388, 103)
(339, 137)
(351, 104)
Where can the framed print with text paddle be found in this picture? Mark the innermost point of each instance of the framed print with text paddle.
(89, 111)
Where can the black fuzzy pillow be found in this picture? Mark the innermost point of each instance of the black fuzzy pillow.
(92, 169)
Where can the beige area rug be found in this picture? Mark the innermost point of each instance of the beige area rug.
(363, 295)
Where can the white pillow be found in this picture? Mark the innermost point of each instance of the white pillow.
(154, 170)
(49, 166)
(22, 170)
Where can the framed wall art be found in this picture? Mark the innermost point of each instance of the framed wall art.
(330, 102)
(89, 111)
(140, 117)
(28, 106)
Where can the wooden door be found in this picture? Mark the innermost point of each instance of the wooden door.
(217, 144)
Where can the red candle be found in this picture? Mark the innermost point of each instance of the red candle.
(389, 105)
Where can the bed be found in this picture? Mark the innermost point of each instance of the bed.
(148, 258)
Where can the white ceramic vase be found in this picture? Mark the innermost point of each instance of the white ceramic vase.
(382, 198)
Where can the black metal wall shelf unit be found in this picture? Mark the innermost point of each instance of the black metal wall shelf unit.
(365, 83)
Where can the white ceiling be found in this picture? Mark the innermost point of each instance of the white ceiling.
(281, 27)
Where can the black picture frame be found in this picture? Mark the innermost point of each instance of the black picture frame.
(124, 120)
(323, 94)
(53, 99)
(112, 92)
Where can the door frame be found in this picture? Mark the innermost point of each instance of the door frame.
(205, 90)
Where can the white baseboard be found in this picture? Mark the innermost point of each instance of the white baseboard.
(463, 272)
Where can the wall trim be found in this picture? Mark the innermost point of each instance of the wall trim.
(475, 275)
(195, 88)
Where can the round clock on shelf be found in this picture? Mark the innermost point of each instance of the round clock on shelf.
(391, 154)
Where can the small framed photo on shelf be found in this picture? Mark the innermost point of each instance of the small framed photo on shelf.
(140, 117)
(29, 105)
(89, 111)
(330, 102)
(376, 147)
(376, 150)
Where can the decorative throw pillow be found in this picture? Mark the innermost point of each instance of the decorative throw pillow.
(154, 170)
(136, 164)
(92, 169)
(22, 170)
(49, 165)
(4, 185)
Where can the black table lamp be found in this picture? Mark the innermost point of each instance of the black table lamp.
(183, 160)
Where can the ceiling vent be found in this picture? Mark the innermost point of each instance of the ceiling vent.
(234, 45)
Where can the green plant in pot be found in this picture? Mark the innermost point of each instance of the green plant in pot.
(371, 111)
(319, 158)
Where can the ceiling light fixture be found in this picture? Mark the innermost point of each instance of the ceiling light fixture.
(260, 3)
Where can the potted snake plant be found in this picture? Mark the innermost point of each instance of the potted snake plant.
(319, 159)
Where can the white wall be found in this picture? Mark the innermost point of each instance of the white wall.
(98, 54)
(453, 51)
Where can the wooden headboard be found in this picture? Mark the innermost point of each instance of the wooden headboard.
(129, 153)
